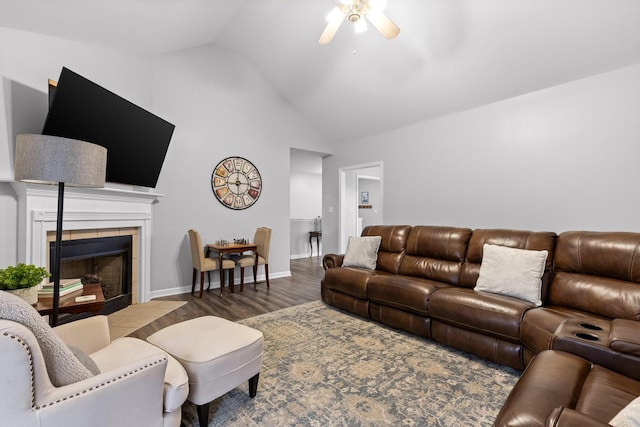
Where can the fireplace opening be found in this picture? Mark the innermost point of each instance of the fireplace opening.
(104, 260)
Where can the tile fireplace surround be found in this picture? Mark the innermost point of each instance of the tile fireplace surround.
(87, 211)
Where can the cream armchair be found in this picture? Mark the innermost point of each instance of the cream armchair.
(138, 384)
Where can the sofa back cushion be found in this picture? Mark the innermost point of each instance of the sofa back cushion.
(435, 253)
(519, 239)
(598, 272)
(392, 246)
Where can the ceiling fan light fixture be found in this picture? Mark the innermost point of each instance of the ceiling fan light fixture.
(355, 12)
(360, 25)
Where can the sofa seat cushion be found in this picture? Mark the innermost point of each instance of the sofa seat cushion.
(490, 314)
(350, 281)
(540, 324)
(403, 292)
(555, 378)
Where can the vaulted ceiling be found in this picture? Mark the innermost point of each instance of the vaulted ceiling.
(451, 55)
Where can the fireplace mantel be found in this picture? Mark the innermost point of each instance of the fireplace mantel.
(84, 209)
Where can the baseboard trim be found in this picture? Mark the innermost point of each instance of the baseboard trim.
(248, 279)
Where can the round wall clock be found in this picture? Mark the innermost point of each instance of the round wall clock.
(236, 183)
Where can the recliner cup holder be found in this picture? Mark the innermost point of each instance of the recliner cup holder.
(586, 336)
(590, 326)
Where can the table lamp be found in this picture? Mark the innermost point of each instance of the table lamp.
(46, 159)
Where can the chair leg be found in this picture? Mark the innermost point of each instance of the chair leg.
(241, 279)
(232, 278)
(221, 280)
(266, 273)
(201, 283)
(193, 281)
(255, 277)
(253, 385)
(203, 414)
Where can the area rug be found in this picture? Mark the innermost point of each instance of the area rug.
(325, 367)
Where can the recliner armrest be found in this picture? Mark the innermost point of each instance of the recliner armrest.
(105, 399)
(332, 260)
(565, 417)
(624, 336)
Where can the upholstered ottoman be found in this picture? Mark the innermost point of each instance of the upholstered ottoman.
(217, 354)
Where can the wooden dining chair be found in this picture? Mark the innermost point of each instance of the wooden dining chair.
(204, 264)
(262, 239)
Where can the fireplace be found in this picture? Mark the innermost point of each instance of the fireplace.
(88, 213)
(104, 260)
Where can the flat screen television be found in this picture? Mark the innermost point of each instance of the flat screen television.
(136, 140)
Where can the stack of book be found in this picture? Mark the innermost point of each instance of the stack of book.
(67, 286)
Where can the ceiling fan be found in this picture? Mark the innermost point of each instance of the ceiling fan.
(355, 11)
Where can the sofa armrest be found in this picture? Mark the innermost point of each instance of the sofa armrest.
(332, 260)
(624, 336)
(89, 335)
(565, 417)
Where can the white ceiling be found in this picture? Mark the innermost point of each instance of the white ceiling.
(451, 55)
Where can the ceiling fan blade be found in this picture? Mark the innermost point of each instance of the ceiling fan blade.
(337, 17)
(383, 24)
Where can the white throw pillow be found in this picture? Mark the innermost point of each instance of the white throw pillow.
(513, 272)
(629, 416)
(362, 252)
(63, 366)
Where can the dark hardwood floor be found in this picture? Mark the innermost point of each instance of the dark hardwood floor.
(303, 286)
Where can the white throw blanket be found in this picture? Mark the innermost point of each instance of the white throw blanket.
(62, 365)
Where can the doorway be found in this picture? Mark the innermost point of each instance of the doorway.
(356, 206)
(305, 210)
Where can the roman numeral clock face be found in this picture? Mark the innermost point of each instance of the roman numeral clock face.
(236, 183)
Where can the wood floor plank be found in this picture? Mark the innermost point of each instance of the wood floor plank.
(303, 286)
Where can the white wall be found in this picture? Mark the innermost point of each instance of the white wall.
(557, 159)
(221, 107)
(27, 61)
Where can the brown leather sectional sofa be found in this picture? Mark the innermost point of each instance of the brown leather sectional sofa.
(586, 332)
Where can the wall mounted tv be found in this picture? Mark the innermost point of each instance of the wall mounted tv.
(136, 140)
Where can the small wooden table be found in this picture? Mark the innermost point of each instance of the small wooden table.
(68, 303)
(317, 235)
(234, 248)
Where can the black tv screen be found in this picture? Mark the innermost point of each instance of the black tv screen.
(136, 140)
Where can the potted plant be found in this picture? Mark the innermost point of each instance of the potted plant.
(22, 280)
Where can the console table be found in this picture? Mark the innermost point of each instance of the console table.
(317, 235)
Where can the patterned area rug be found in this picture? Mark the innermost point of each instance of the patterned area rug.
(324, 367)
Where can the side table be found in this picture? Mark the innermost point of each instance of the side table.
(68, 303)
(233, 248)
(317, 235)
